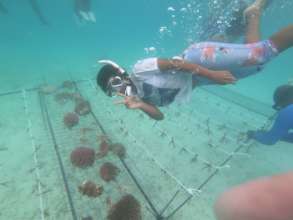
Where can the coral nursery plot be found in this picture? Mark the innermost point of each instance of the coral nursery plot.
(71, 153)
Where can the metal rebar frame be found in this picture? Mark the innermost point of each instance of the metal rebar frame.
(45, 112)
(143, 192)
(36, 161)
(158, 214)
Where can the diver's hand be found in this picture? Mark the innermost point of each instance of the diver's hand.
(222, 77)
(133, 102)
(130, 102)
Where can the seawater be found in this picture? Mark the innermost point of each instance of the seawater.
(168, 158)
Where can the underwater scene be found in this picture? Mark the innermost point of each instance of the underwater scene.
(146, 110)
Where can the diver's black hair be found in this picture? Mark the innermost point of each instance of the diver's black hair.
(283, 96)
(105, 73)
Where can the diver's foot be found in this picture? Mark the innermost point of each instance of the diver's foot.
(92, 17)
(254, 9)
(260, 4)
(84, 15)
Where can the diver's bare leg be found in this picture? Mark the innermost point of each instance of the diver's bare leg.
(252, 15)
(283, 39)
(253, 27)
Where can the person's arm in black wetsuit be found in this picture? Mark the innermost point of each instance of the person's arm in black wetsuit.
(280, 129)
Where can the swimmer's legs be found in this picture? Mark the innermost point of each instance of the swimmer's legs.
(283, 39)
(252, 15)
(88, 16)
(92, 16)
(84, 15)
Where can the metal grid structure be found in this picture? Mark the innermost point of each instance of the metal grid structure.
(168, 163)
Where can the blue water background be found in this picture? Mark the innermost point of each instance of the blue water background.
(32, 52)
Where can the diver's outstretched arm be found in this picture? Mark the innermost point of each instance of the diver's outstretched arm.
(3, 9)
(132, 102)
(151, 110)
(35, 6)
(221, 77)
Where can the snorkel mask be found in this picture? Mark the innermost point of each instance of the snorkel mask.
(114, 86)
(119, 83)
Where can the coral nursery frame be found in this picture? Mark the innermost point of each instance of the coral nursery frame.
(176, 189)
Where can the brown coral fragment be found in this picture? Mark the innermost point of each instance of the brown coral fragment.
(82, 157)
(90, 189)
(127, 208)
(108, 171)
(70, 119)
(82, 107)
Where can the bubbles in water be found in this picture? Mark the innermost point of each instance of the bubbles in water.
(163, 29)
(152, 49)
(149, 50)
(183, 9)
(171, 8)
(195, 20)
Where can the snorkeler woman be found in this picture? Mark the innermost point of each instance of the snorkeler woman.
(156, 82)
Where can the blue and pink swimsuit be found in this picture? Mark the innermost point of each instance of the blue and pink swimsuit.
(241, 60)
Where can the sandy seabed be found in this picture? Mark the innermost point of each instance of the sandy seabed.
(195, 153)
